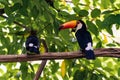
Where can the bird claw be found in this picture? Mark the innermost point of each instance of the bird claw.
(30, 53)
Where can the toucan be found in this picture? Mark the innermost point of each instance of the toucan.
(83, 36)
(32, 43)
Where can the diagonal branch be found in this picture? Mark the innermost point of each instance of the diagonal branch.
(102, 52)
(43, 63)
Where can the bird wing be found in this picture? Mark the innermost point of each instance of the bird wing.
(84, 39)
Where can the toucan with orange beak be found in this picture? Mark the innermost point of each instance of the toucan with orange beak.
(83, 36)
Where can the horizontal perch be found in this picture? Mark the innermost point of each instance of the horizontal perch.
(102, 52)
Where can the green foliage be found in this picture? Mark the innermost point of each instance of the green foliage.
(92, 27)
(103, 21)
(95, 13)
(81, 13)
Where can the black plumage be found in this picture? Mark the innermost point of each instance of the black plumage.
(84, 40)
(32, 43)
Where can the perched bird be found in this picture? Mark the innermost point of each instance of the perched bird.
(32, 43)
(83, 36)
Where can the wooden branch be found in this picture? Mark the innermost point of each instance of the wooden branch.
(102, 52)
(43, 63)
(40, 69)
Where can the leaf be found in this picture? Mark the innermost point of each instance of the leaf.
(8, 10)
(5, 2)
(63, 68)
(83, 13)
(10, 19)
(95, 13)
(18, 75)
(82, 68)
(105, 39)
(53, 48)
(107, 11)
(25, 3)
(80, 75)
(42, 49)
(109, 30)
(64, 13)
(77, 75)
(1, 71)
(34, 12)
(80, 12)
(109, 20)
(118, 5)
(63, 2)
(117, 19)
(49, 17)
(54, 67)
(111, 45)
(28, 77)
(16, 6)
(75, 2)
(99, 24)
(113, 78)
(112, 1)
(24, 70)
(108, 68)
(118, 71)
(65, 35)
(56, 26)
(76, 9)
(23, 11)
(94, 77)
(56, 4)
(105, 4)
(97, 63)
(5, 42)
(110, 64)
(92, 27)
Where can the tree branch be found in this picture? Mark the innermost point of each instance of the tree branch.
(102, 52)
(43, 63)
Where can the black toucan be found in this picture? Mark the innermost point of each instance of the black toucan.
(83, 36)
(32, 43)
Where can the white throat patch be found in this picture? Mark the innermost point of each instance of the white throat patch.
(89, 46)
(79, 26)
(31, 44)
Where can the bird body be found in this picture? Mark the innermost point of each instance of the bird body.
(83, 37)
(85, 42)
(32, 44)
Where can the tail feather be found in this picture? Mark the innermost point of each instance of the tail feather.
(34, 50)
(89, 54)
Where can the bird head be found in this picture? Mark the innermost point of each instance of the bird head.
(74, 24)
(33, 32)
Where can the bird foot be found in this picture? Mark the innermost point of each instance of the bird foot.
(30, 53)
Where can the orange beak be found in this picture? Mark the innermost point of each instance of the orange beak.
(70, 24)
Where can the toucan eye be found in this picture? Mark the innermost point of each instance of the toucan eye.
(78, 22)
